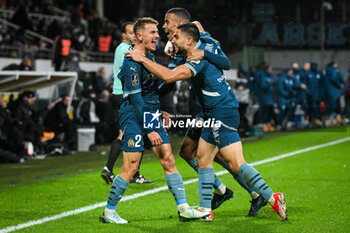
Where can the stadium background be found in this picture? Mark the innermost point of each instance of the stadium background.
(284, 31)
(278, 32)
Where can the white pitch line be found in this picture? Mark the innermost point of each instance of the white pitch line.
(156, 190)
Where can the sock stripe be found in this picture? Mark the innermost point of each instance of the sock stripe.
(266, 187)
(257, 180)
(207, 183)
(205, 198)
(113, 193)
(262, 185)
(208, 195)
(207, 187)
(253, 178)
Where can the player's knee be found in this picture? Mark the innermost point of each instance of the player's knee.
(168, 162)
(234, 166)
(134, 166)
(202, 163)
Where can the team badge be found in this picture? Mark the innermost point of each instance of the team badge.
(135, 79)
(150, 76)
(131, 143)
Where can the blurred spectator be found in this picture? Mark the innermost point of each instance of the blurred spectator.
(62, 50)
(11, 139)
(313, 81)
(107, 116)
(104, 42)
(26, 65)
(250, 76)
(87, 115)
(284, 87)
(28, 121)
(99, 81)
(243, 97)
(54, 29)
(265, 81)
(300, 92)
(347, 98)
(21, 17)
(58, 121)
(334, 84)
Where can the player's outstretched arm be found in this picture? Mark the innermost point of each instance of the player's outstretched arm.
(169, 76)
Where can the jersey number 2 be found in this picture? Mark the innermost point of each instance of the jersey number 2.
(138, 140)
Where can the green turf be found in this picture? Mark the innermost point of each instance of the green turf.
(316, 184)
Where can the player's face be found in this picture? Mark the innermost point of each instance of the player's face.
(170, 25)
(149, 37)
(180, 41)
(307, 66)
(129, 35)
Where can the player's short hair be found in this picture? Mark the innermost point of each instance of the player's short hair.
(126, 24)
(191, 30)
(141, 22)
(181, 13)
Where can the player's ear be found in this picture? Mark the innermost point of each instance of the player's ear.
(139, 36)
(189, 40)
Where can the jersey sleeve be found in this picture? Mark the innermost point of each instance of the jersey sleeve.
(213, 52)
(130, 76)
(196, 66)
(119, 58)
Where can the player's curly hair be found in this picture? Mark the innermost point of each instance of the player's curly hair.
(141, 22)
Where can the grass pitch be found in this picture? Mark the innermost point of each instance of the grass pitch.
(317, 185)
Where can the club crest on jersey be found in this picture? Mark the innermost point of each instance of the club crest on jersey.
(150, 76)
(131, 143)
(135, 79)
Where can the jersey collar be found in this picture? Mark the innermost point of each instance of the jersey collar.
(198, 44)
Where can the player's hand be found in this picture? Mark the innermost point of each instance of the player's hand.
(303, 86)
(155, 138)
(167, 119)
(134, 55)
(195, 54)
(169, 52)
